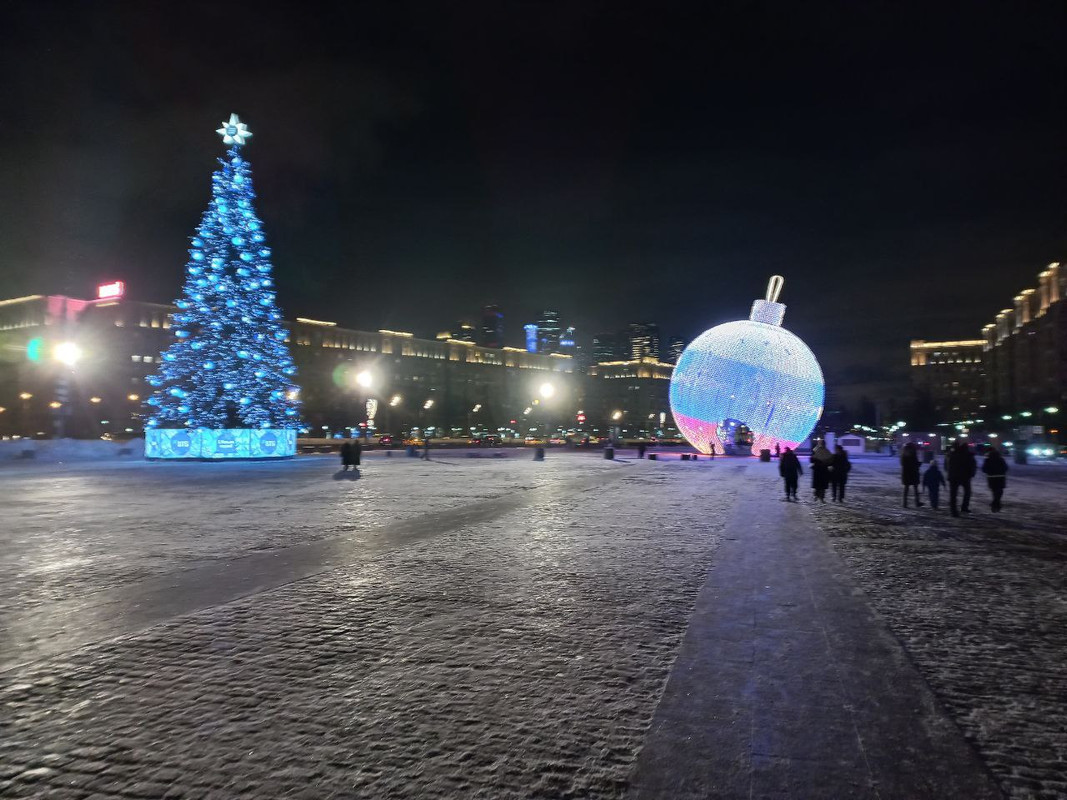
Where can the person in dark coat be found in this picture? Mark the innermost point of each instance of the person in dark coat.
(821, 459)
(933, 480)
(839, 469)
(996, 473)
(961, 467)
(346, 455)
(789, 469)
(777, 450)
(357, 453)
(909, 472)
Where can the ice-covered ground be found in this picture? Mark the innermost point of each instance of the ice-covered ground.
(980, 604)
(519, 656)
(459, 628)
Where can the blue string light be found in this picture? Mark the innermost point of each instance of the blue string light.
(229, 366)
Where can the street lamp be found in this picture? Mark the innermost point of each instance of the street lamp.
(365, 379)
(547, 390)
(67, 353)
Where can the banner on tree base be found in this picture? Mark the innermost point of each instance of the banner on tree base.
(208, 444)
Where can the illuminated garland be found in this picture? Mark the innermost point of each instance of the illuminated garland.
(229, 366)
(752, 372)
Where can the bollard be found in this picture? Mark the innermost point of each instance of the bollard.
(539, 454)
(685, 456)
(765, 455)
(609, 453)
(652, 456)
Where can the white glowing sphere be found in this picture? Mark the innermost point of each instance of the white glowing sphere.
(752, 373)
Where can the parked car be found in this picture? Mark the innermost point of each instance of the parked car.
(387, 439)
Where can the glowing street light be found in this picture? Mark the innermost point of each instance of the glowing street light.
(1051, 410)
(25, 396)
(55, 404)
(94, 399)
(396, 400)
(477, 408)
(428, 404)
(365, 379)
(1026, 414)
(133, 397)
(547, 390)
(67, 353)
(616, 415)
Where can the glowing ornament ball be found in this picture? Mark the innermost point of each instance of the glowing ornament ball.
(751, 372)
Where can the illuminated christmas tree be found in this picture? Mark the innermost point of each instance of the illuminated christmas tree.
(229, 367)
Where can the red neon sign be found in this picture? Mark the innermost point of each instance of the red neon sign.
(108, 291)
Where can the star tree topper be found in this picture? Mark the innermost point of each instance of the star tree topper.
(234, 131)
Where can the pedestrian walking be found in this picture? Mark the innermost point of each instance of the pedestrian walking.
(346, 455)
(712, 446)
(840, 466)
(961, 468)
(357, 453)
(933, 480)
(777, 450)
(821, 459)
(426, 447)
(909, 472)
(789, 469)
(996, 474)
(641, 449)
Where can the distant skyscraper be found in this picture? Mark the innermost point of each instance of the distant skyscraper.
(463, 332)
(567, 344)
(675, 346)
(606, 347)
(492, 332)
(548, 332)
(644, 340)
(531, 337)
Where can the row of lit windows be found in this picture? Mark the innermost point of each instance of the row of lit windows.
(155, 321)
(145, 359)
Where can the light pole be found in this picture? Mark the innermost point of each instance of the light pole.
(1053, 434)
(66, 354)
(364, 382)
(547, 390)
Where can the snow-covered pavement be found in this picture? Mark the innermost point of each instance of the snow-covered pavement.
(464, 627)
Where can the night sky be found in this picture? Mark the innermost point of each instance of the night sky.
(902, 166)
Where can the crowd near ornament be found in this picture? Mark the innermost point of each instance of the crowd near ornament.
(750, 373)
(226, 387)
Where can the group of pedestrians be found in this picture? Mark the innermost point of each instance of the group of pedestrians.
(961, 466)
(351, 454)
(828, 471)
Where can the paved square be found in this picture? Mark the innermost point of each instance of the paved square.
(480, 627)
